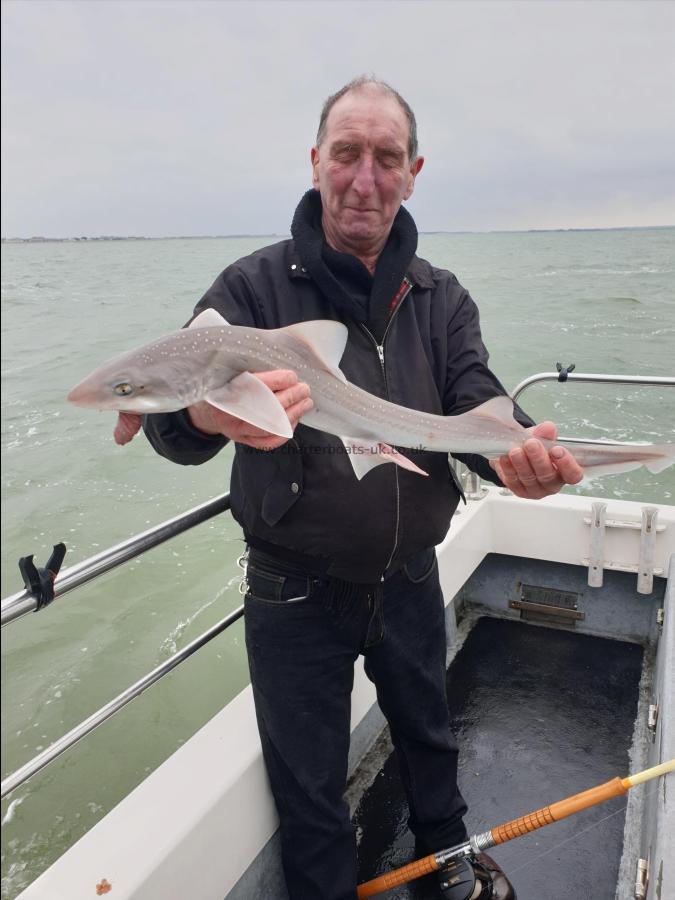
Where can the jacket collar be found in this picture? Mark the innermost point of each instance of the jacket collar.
(294, 264)
(420, 272)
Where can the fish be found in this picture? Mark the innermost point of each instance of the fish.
(214, 361)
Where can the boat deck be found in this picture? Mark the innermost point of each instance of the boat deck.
(539, 714)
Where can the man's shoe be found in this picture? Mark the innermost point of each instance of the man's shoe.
(478, 878)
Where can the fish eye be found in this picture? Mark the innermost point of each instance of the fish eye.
(123, 389)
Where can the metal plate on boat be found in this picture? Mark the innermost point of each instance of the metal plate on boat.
(546, 604)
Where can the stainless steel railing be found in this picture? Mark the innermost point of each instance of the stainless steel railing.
(599, 378)
(592, 378)
(17, 605)
(74, 735)
(23, 602)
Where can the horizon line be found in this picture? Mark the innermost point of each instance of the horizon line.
(201, 237)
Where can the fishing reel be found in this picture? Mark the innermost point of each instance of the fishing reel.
(465, 879)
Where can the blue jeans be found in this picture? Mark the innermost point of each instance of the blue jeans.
(302, 644)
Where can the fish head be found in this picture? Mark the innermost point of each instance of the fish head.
(135, 382)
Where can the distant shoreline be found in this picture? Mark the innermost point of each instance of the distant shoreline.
(218, 237)
(133, 237)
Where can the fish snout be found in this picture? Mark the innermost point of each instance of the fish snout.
(81, 395)
(90, 395)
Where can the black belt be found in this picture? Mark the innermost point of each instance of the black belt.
(310, 565)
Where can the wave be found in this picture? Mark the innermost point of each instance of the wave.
(169, 645)
(549, 272)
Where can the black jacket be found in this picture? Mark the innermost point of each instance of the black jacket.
(304, 497)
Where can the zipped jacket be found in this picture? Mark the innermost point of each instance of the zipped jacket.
(304, 498)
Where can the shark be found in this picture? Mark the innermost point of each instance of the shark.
(215, 361)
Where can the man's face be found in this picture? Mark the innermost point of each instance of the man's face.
(362, 170)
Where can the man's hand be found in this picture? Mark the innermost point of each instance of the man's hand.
(532, 472)
(291, 393)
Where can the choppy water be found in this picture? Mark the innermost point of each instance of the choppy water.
(603, 300)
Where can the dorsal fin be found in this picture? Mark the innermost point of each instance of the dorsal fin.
(207, 319)
(326, 338)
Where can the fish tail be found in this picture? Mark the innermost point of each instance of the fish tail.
(666, 458)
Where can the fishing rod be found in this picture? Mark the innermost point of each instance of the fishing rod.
(513, 829)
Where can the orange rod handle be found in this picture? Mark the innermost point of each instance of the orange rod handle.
(559, 810)
(399, 876)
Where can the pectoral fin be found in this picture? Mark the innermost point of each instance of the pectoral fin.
(247, 398)
(365, 455)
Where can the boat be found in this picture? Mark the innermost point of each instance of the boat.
(560, 623)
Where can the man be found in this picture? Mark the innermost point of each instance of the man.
(339, 567)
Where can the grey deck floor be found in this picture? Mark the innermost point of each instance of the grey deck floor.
(539, 714)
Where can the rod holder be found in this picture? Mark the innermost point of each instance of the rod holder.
(474, 491)
(596, 559)
(645, 579)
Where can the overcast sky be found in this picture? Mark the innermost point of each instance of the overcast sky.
(192, 118)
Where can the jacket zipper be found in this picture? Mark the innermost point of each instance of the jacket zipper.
(380, 353)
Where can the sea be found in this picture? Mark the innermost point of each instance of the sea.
(601, 300)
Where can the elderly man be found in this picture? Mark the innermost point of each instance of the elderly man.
(338, 567)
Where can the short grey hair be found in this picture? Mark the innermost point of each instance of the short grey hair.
(355, 85)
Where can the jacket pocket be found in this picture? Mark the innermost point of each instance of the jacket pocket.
(285, 488)
(420, 567)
